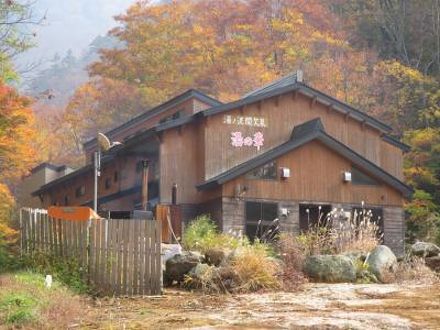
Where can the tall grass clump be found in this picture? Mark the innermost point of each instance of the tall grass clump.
(357, 234)
(255, 268)
(292, 254)
(202, 235)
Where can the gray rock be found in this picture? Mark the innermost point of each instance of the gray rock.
(382, 262)
(179, 265)
(354, 256)
(424, 249)
(199, 270)
(330, 268)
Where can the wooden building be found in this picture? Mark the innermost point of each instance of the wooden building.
(285, 151)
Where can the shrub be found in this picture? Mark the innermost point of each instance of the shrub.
(202, 235)
(255, 268)
(415, 270)
(292, 253)
(334, 236)
(67, 271)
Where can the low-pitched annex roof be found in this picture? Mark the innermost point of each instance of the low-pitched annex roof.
(191, 93)
(301, 135)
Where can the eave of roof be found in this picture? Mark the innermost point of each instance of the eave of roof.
(53, 167)
(89, 167)
(191, 93)
(302, 134)
(395, 142)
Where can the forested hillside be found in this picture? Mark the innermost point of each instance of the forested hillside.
(382, 56)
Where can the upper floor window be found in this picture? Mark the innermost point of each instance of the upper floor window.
(360, 178)
(267, 171)
(174, 116)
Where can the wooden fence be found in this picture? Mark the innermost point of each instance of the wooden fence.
(122, 257)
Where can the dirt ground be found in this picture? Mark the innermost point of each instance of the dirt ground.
(318, 306)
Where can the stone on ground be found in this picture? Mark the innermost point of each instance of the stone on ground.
(382, 262)
(425, 249)
(330, 268)
(179, 265)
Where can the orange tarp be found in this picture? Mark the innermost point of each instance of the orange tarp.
(79, 213)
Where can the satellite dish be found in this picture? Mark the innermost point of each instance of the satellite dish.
(103, 142)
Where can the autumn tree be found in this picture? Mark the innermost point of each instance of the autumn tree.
(224, 48)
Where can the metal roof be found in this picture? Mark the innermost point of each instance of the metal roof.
(191, 93)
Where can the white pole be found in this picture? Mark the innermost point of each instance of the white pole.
(97, 174)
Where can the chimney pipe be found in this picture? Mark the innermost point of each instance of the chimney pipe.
(144, 197)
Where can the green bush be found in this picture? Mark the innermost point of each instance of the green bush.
(202, 235)
(18, 308)
(67, 271)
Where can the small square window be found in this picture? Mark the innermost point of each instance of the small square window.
(267, 171)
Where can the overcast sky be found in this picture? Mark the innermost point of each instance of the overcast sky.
(72, 24)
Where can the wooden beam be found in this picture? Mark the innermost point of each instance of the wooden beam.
(330, 108)
(347, 115)
(277, 100)
(313, 101)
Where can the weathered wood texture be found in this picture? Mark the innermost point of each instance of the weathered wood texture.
(170, 218)
(122, 257)
(394, 229)
(182, 163)
(281, 115)
(316, 175)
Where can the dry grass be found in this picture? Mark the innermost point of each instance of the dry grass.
(356, 234)
(293, 257)
(26, 302)
(414, 270)
(255, 269)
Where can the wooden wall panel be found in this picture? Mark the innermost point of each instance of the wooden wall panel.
(392, 158)
(316, 175)
(181, 158)
(281, 115)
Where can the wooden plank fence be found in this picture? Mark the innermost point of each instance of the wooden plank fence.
(123, 257)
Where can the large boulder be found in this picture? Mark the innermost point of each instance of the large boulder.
(382, 262)
(433, 263)
(179, 265)
(424, 249)
(330, 268)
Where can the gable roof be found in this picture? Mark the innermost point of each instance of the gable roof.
(191, 93)
(291, 83)
(302, 134)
